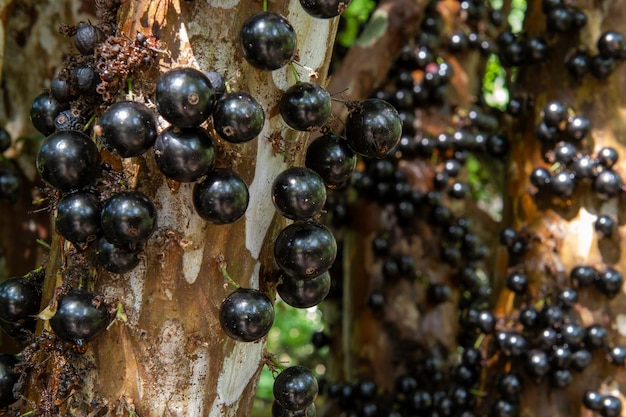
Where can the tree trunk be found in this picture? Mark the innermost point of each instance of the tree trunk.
(166, 353)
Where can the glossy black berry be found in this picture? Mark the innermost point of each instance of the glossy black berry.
(502, 408)
(10, 183)
(593, 400)
(540, 178)
(303, 293)
(61, 90)
(218, 83)
(5, 140)
(267, 41)
(517, 282)
(578, 64)
(128, 217)
(222, 197)
(43, 112)
(577, 128)
(607, 157)
(583, 275)
(185, 97)
(617, 355)
(601, 67)
(8, 379)
(510, 387)
(595, 336)
(238, 117)
(19, 299)
(324, 9)
(113, 258)
(246, 315)
(295, 388)
(609, 282)
(87, 37)
(561, 378)
(80, 317)
(67, 160)
(567, 298)
(554, 113)
(581, 359)
(305, 105)
(305, 249)
(78, 218)
(332, 158)
(129, 128)
(611, 406)
(184, 154)
(563, 184)
(607, 184)
(611, 44)
(298, 193)
(536, 363)
(374, 128)
(605, 225)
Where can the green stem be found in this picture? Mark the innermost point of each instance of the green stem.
(89, 122)
(295, 72)
(119, 313)
(479, 341)
(228, 278)
(129, 82)
(36, 270)
(28, 413)
(264, 5)
(276, 363)
(44, 244)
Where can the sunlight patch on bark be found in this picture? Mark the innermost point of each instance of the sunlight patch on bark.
(237, 371)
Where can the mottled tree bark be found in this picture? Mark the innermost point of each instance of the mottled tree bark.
(166, 353)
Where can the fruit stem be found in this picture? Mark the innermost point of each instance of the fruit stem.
(119, 313)
(295, 72)
(89, 122)
(478, 393)
(479, 341)
(129, 82)
(28, 413)
(228, 278)
(555, 166)
(44, 244)
(37, 270)
(264, 5)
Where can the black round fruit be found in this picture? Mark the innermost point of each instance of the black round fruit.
(238, 117)
(19, 299)
(374, 128)
(305, 249)
(10, 183)
(129, 128)
(303, 293)
(607, 184)
(609, 282)
(85, 80)
(5, 140)
(246, 315)
(332, 158)
(8, 379)
(324, 9)
(185, 97)
(128, 217)
(267, 41)
(78, 218)
(298, 193)
(295, 388)
(305, 105)
(67, 160)
(222, 197)
(43, 112)
(80, 317)
(184, 154)
(113, 258)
